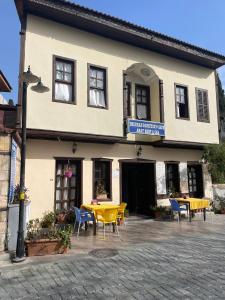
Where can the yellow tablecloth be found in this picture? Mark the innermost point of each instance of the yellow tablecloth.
(195, 203)
(99, 207)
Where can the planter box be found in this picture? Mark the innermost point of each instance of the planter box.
(162, 216)
(44, 247)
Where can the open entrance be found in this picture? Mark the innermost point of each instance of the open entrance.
(138, 186)
(195, 181)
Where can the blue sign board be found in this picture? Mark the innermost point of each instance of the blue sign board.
(145, 127)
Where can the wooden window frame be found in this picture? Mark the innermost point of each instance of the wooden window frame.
(128, 88)
(64, 160)
(186, 98)
(109, 161)
(197, 105)
(148, 107)
(178, 183)
(105, 69)
(54, 80)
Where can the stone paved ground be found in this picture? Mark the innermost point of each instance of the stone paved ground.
(155, 260)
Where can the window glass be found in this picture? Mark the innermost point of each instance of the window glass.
(142, 102)
(64, 85)
(63, 92)
(102, 179)
(172, 178)
(181, 102)
(97, 87)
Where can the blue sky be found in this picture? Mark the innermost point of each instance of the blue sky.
(199, 22)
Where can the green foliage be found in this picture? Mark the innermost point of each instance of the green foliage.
(221, 96)
(65, 235)
(65, 216)
(35, 231)
(158, 208)
(48, 220)
(214, 155)
(46, 228)
(17, 194)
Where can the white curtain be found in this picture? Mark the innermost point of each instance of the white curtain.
(63, 92)
(141, 111)
(97, 98)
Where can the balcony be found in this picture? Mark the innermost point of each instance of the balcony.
(143, 104)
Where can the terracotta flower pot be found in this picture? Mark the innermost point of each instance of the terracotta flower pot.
(44, 247)
(158, 215)
(61, 218)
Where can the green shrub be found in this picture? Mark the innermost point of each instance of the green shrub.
(214, 156)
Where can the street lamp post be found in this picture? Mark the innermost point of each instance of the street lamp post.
(26, 78)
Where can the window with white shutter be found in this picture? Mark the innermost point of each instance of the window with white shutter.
(202, 105)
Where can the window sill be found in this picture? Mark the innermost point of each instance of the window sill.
(64, 102)
(99, 107)
(104, 200)
(203, 121)
(185, 119)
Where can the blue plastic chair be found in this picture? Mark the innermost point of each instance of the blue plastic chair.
(82, 216)
(176, 207)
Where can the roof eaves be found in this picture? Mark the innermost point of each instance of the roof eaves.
(136, 28)
(8, 86)
(125, 26)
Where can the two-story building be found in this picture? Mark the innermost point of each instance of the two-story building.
(128, 113)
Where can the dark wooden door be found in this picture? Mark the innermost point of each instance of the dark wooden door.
(138, 187)
(195, 181)
(67, 190)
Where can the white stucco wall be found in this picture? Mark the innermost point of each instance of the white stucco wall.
(46, 38)
(40, 168)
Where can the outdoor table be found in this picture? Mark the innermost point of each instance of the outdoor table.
(194, 204)
(98, 207)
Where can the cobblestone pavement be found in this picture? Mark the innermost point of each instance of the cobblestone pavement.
(155, 260)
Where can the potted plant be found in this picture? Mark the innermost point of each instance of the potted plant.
(44, 237)
(160, 212)
(100, 191)
(68, 172)
(65, 216)
(60, 216)
(16, 198)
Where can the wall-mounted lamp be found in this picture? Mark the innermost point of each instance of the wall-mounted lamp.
(74, 147)
(139, 152)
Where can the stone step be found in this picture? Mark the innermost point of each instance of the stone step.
(4, 259)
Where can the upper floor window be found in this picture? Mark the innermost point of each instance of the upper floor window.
(63, 89)
(181, 102)
(172, 178)
(97, 87)
(142, 102)
(202, 105)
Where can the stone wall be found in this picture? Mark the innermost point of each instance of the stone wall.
(219, 196)
(5, 144)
